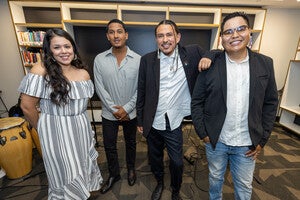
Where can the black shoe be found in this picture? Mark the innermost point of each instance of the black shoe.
(131, 177)
(109, 183)
(157, 191)
(176, 196)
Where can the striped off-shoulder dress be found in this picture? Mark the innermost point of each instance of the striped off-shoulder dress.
(67, 139)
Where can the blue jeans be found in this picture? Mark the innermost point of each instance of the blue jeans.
(241, 169)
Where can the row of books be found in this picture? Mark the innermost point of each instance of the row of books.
(31, 57)
(31, 38)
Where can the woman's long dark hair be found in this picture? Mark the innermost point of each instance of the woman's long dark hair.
(54, 74)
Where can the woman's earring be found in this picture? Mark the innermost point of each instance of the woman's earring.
(75, 57)
(53, 59)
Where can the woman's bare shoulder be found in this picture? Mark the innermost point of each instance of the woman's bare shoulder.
(84, 74)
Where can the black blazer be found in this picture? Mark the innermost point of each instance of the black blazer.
(149, 81)
(208, 105)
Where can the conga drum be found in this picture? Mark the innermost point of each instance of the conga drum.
(36, 140)
(15, 147)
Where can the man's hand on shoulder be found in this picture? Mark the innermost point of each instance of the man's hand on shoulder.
(204, 64)
(38, 69)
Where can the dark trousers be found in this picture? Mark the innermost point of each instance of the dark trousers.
(157, 140)
(110, 135)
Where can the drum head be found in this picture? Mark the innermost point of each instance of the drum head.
(10, 122)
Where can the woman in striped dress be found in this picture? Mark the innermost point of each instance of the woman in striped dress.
(62, 87)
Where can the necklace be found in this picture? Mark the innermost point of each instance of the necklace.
(174, 66)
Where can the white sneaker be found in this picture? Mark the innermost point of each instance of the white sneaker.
(2, 173)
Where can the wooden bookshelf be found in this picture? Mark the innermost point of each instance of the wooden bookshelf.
(31, 17)
(290, 101)
(41, 15)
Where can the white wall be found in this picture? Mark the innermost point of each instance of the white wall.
(11, 71)
(280, 38)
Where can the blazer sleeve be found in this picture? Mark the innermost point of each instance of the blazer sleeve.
(197, 105)
(270, 104)
(141, 89)
(212, 54)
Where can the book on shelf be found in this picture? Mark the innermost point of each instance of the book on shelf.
(30, 58)
(31, 38)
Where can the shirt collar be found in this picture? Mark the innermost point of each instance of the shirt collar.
(129, 52)
(232, 61)
(163, 56)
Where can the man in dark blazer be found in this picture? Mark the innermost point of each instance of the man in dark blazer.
(165, 84)
(234, 107)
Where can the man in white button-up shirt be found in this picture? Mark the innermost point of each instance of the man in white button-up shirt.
(234, 107)
(165, 84)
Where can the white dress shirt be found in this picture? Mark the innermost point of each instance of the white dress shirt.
(235, 131)
(174, 96)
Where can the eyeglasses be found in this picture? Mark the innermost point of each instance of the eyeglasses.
(239, 30)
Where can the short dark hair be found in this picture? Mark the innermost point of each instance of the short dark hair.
(232, 15)
(116, 21)
(169, 22)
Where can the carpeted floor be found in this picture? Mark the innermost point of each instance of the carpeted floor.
(276, 177)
